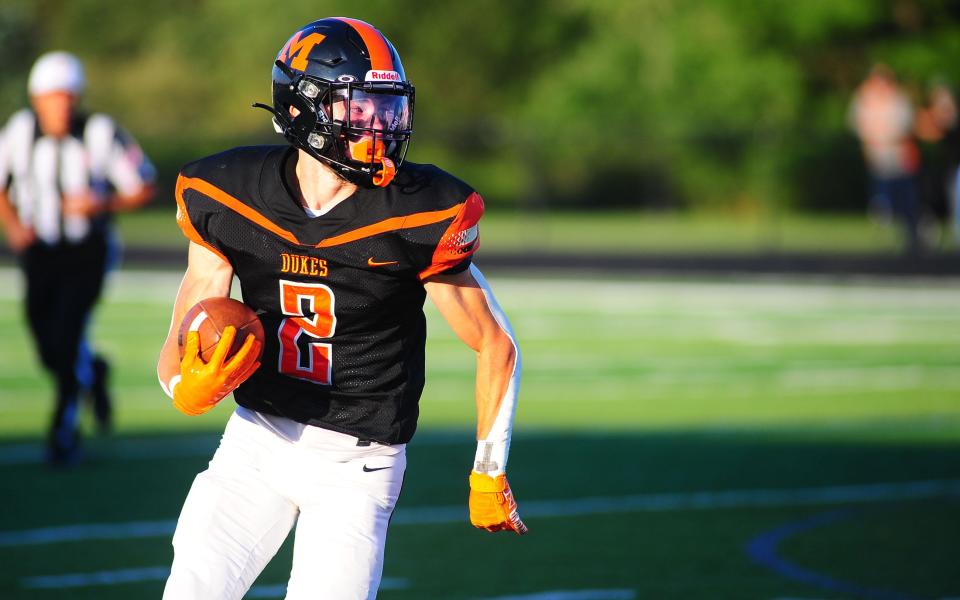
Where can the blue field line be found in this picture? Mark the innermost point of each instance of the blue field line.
(764, 550)
(442, 515)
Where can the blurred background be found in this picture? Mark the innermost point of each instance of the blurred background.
(740, 358)
(732, 109)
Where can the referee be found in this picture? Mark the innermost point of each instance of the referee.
(63, 174)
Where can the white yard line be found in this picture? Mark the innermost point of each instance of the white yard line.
(122, 576)
(71, 580)
(878, 492)
(630, 296)
(184, 446)
(572, 595)
(573, 507)
(122, 450)
(280, 590)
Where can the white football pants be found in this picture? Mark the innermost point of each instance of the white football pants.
(268, 474)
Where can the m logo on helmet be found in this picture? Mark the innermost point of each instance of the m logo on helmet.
(298, 50)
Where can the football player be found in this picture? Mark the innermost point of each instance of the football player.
(336, 242)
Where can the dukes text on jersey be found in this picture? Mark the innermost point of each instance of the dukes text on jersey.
(298, 264)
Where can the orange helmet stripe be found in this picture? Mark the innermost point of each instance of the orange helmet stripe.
(380, 57)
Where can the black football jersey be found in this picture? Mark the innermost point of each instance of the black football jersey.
(340, 295)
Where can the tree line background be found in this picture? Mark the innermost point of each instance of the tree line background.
(726, 105)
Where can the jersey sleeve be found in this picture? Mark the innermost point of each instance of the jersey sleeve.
(115, 158)
(129, 169)
(196, 216)
(459, 241)
(15, 147)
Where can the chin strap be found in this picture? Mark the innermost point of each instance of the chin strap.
(385, 175)
(372, 151)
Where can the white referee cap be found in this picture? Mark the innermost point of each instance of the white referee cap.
(56, 72)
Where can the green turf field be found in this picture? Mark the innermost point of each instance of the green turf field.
(741, 440)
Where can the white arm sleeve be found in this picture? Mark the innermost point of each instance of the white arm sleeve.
(491, 457)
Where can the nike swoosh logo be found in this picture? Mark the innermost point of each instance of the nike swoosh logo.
(375, 263)
(367, 469)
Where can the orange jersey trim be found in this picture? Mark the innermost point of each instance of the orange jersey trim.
(392, 224)
(380, 57)
(214, 193)
(186, 225)
(447, 253)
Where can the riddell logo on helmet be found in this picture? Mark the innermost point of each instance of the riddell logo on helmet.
(382, 76)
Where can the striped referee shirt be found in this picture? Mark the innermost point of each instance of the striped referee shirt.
(37, 171)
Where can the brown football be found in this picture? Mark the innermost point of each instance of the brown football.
(211, 316)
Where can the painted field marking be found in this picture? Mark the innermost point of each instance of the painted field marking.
(122, 576)
(280, 590)
(68, 580)
(724, 298)
(763, 550)
(29, 453)
(572, 595)
(183, 446)
(441, 515)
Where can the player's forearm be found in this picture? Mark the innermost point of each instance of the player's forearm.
(469, 306)
(168, 365)
(496, 363)
(8, 216)
(125, 202)
(207, 276)
(19, 236)
(498, 383)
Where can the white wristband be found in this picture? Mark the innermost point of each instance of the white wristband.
(168, 387)
(491, 457)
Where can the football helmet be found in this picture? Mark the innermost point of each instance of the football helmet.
(341, 95)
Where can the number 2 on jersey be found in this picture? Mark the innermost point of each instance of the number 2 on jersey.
(309, 311)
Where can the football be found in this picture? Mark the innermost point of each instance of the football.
(211, 316)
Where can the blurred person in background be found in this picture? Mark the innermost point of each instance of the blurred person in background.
(882, 116)
(64, 173)
(938, 125)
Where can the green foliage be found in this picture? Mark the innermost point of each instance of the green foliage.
(724, 104)
(17, 42)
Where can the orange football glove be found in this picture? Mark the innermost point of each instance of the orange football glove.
(492, 506)
(202, 384)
